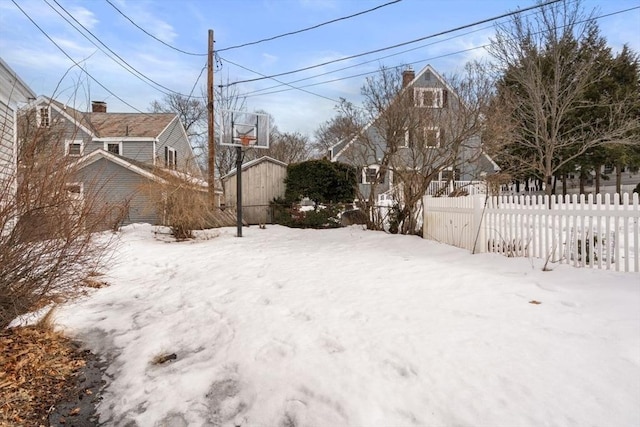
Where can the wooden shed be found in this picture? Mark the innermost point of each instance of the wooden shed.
(262, 181)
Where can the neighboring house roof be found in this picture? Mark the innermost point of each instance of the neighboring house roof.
(12, 87)
(129, 124)
(113, 125)
(255, 162)
(147, 171)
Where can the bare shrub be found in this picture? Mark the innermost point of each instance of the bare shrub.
(47, 241)
(182, 203)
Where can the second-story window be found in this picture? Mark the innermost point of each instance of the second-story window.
(74, 148)
(114, 147)
(170, 158)
(44, 117)
(430, 97)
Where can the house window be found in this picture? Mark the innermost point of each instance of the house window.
(370, 175)
(430, 97)
(44, 117)
(74, 148)
(113, 147)
(170, 158)
(433, 137)
(450, 174)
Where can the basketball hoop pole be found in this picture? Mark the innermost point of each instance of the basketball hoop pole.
(239, 190)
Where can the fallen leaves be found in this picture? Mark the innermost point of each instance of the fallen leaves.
(36, 365)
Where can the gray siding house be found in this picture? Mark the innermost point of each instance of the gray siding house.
(14, 94)
(432, 104)
(262, 181)
(118, 156)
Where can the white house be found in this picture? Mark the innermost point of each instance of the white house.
(14, 93)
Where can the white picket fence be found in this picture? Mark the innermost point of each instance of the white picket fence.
(597, 232)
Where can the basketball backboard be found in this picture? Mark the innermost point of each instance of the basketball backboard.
(242, 129)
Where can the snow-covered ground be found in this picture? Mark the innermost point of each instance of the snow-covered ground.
(346, 327)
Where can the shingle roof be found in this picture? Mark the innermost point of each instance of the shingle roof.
(146, 125)
(105, 125)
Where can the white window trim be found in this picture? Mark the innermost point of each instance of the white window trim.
(437, 98)
(107, 143)
(39, 115)
(437, 129)
(364, 173)
(68, 142)
(166, 158)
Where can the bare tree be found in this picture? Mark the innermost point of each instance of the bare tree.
(227, 98)
(47, 244)
(410, 144)
(192, 112)
(331, 132)
(289, 147)
(542, 92)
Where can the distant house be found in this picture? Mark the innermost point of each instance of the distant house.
(119, 155)
(262, 181)
(433, 104)
(14, 93)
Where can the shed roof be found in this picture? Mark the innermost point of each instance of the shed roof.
(255, 162)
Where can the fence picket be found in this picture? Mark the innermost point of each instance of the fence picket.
(593, 232)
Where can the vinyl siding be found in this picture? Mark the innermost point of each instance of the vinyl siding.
(114, 185)
(141, 151)
(175, 137)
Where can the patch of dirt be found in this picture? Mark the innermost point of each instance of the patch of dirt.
(46, 379)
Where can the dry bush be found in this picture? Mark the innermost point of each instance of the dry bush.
(182, 202)
(47, 225)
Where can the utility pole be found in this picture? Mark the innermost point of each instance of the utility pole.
(211, 177)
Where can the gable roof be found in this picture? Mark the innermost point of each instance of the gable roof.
(141, 125)
(342, 145)
(147, 171)
(255, 162)
(109, 125)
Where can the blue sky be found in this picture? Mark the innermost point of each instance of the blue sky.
(184, 24)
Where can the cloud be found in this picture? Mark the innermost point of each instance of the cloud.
(142, 14)
(84, 16)
(268, 59)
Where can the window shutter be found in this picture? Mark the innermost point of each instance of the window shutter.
(166, 156)
(445, 98)
(175, 159)
(441, 139)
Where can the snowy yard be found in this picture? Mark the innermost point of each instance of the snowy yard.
(345, 327)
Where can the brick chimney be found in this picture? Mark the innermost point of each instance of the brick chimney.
(98, 107)
(407, 76)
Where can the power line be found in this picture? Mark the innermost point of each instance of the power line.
(138, 74)
(256, 93)
(399, 44)
(72, 60)
(310, 28)
(282, 83)
(151, 35)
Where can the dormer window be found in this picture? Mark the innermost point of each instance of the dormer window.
(44, 117)
(429, 97)
(74, 148)
(113, 147)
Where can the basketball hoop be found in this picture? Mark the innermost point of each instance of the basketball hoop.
(246, 140)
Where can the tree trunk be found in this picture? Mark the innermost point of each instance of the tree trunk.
(598, 176)
(619, 178)
(583, 179)
(564, 184)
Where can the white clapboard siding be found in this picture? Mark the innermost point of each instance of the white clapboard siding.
(597, 232)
